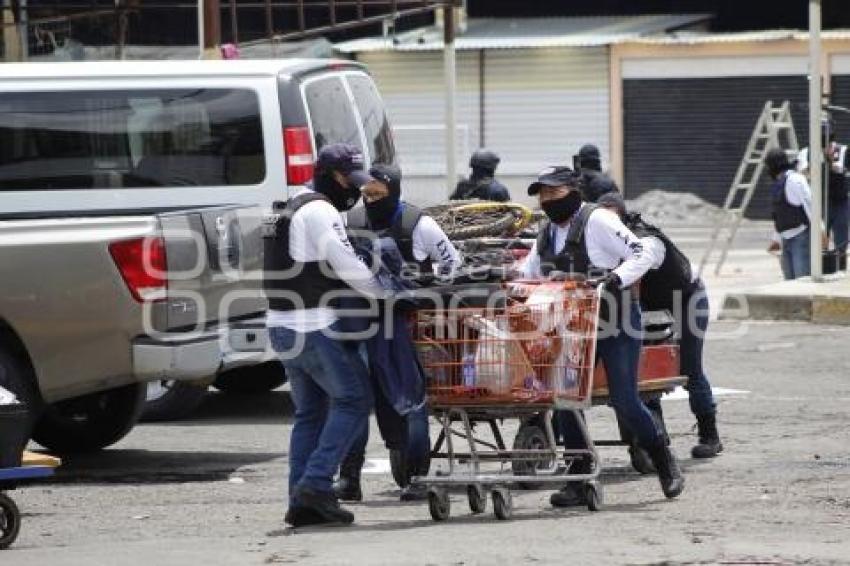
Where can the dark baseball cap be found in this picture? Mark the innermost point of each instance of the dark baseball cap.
(390, 175)
(345, 158)
(553, 177)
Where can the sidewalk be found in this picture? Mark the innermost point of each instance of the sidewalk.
(801, 299)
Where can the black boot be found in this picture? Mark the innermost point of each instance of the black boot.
(347, 486)
(321, 508)
(709, 440)
(669, 474)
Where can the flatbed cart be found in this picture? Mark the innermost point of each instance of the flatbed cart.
(11, 478)
(531, 353)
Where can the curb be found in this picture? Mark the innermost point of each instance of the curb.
(805, 308)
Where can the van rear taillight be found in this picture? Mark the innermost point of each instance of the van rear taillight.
(299, 154)
(143, 267)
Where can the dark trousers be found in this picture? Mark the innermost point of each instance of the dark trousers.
(837, 217)
(408, 433)
(621, 355)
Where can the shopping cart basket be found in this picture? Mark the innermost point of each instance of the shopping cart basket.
(532, 352)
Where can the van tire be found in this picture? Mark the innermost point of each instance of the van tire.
(175, 400)
(252, 380)
(17, 377)
(90, 422)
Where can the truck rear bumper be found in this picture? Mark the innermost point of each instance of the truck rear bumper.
(192, 356)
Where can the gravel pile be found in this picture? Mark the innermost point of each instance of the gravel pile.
(664, 207)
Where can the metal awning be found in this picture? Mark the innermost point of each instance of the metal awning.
(523, 33)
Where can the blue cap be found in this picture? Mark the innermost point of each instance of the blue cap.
(347, 159)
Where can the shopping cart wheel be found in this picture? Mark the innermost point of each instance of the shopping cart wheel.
(502, 503)
(530, 436)
(477, 499)
(439, 504)
(10, 521)
(593, 494)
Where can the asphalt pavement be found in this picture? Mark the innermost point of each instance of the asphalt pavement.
(211, 490)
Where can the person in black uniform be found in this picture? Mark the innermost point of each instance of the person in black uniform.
(671, 285)
(593, 183)
(482, 183)
(423, 246)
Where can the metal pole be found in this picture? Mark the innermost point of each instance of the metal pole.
(815, 149)
(24, 25)
(201, 39)
(449, 67)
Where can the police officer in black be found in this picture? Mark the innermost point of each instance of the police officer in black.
(671, 285)
(593, 182)
(482, 183)
(423, 246)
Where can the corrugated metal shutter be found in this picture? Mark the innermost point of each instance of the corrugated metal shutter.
(411, 85)
(543, 104)
(689, 135)
(841, 97)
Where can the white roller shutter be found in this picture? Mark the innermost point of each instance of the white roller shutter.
(543, 104)
(411, 85)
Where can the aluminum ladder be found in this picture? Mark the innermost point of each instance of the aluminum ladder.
(774, 128)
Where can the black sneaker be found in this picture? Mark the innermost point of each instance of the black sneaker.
(323, 504)
(568, 496)
(416, 492)
(298, 516)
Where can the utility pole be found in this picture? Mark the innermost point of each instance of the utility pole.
(450, 70)
(209, 29)
(815, 146)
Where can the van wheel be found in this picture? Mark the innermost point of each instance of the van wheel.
(90, 422)
(261, 378)
(16, 377)
(169, 400)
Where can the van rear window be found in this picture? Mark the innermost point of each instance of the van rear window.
(331, 113)
(130, 139)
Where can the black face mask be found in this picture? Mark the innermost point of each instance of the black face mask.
(380, 212)
(562, 209)
(342, 198)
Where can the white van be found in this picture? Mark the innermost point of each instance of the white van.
(108, 141)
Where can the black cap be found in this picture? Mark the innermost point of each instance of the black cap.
(613, 199)
(345, 158)
(553, 177)
(588, 152)
(390, 175)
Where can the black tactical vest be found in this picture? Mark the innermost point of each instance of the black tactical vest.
(785, 216)
(573, 257)
(658, 287)
(285, 276)
(401, 231)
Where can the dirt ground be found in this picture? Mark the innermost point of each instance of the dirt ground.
(211, 490)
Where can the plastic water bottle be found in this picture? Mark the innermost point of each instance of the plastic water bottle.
(468, 370)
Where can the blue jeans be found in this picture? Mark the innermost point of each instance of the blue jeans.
(690, 348)
(837, 223)
(409, 433)
(621, 354)
(796, 256)
(330, 391)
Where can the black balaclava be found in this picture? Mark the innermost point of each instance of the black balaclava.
(777, 162)
(381, 212)
(342, 198)
(562, 209)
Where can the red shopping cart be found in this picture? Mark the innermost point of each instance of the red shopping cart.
(531, 350)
